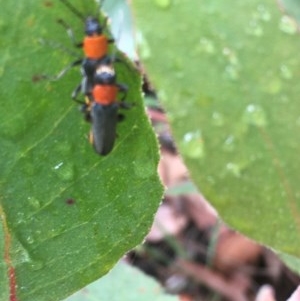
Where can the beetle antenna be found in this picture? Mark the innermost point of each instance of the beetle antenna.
(74, 10)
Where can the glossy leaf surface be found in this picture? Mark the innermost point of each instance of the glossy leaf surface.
(227, 74)
(67, 214)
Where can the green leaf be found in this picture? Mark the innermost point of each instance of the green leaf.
(228, 76)
(291, 261)
(67, 214)
(123, 282)
(291, 8)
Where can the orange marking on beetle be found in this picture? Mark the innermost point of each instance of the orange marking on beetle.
(105, 94)
(10, 269)
(95, 47)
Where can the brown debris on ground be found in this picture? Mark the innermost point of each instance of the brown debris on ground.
(195, 255)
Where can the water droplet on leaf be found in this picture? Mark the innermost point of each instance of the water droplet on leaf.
(58, 165)
(163, 3)
(229, 144)
(30, 239)
(34, 202)
(207, 46)
(36, 265)
(255, 115)
(263, 13)
(234, 169)
(21, 254)
(192, 145)
(231, 56)
(20, 217)
(288, 25)
(217, 119)
(65, 172)
(254, 29)
(232, 68)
